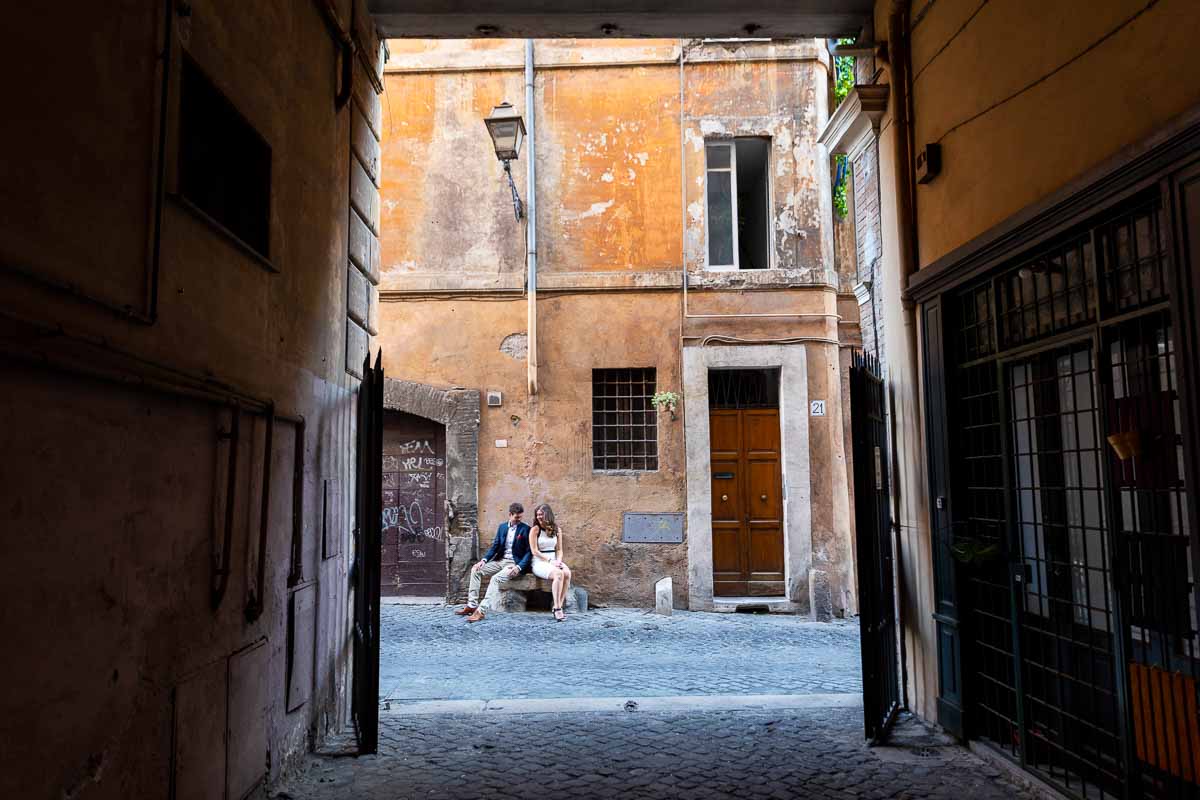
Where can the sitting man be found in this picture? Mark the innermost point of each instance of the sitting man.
(508, 557)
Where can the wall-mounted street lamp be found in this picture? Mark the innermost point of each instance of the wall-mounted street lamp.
(507, 130)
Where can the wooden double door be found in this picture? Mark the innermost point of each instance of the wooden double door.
(747, 502)
(414, 500)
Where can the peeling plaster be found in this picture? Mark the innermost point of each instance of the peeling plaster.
(595, 210)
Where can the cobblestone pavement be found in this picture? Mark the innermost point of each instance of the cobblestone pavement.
(813, 753)
(427, 653)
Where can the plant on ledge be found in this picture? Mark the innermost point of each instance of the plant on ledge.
(665, 400)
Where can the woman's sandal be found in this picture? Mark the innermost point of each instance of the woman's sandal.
(558, 614)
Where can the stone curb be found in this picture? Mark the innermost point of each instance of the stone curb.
(571, 705)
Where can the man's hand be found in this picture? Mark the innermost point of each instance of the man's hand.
(482, 561)
(512, 572)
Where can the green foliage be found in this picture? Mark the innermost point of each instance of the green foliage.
(843, 82)
(843, 74)
(973, 552)
(665, 400)
(840, 203)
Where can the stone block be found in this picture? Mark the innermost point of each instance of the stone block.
(513, 597)
(664, 597)
(820, 595)
(579, 599)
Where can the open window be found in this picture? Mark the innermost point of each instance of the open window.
(738, 203)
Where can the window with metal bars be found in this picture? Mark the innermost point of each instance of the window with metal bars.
(224, 163)
(624, 421)
(743, 388)
(1068, 482)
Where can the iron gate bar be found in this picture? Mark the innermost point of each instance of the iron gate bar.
(872, 520)
(366, 568)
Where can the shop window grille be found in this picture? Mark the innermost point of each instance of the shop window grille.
(624, 422)
(1068, 668)
(1132, 256)
(980, 503)
(743, 388)
(1047, 294)
(1067, 456)
(975, 338)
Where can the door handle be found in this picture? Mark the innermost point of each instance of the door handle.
(762, 497)
(724, 498)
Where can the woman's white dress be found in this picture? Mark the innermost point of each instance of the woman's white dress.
(547, 545)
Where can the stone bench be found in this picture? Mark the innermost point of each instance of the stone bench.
(513, 599)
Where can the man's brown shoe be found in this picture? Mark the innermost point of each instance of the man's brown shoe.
(465, 610)
(478, 615)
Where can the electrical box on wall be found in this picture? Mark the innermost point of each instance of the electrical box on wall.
(494, 398)
(929, 162)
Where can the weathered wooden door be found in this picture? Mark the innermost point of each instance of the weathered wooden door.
(414, 500)
(747, 502)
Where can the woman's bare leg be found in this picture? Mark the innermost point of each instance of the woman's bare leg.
(556, 591)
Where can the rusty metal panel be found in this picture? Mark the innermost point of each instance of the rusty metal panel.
(331, 532)
(246, 731)
(652, 528)
(302, 626)
(200, 734)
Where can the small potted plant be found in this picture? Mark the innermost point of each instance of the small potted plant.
(665, 400)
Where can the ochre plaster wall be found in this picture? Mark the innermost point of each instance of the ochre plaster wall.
(615, 156)
(1021, 109)
(1024, 97)
(548, 457)
(114, 494)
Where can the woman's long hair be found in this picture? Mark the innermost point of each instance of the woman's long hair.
(550, 526)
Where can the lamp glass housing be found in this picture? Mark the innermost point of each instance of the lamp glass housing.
(507, 130)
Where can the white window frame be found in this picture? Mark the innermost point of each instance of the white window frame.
(730, 144)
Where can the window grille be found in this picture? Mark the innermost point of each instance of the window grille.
(624, 422)
(1069, 513)
(1132, 255)
(1047, 294)
(224, 164)
(743, 388)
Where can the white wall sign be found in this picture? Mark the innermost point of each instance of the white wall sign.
(502, 443)
(817, 408)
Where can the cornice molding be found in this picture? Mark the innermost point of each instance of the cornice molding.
(855, 123)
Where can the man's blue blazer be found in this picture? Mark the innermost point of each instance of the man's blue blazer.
(522, 555)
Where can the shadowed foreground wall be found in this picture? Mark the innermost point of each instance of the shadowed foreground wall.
(125, 346)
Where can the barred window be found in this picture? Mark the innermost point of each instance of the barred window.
(224, 163)
(624, 422)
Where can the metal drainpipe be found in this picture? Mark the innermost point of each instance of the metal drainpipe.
(531, 219)
(900, 57)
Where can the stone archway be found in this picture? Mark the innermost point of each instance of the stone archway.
(458, 410)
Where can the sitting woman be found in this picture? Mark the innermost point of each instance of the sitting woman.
(545, 541)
